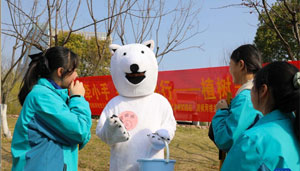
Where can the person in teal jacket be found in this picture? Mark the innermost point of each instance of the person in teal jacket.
(51, 125)
(230, 121)
(273, 143)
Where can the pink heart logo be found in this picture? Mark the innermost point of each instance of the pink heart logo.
(129, 119)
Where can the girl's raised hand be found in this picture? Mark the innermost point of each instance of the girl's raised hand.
(222, 104)
(77, 88)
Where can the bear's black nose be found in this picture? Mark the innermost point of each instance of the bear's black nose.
(134, 68)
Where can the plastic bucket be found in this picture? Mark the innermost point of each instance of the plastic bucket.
(157, 164)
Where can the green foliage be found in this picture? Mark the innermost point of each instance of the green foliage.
(266, 39)
(91, 58)
(10, 91)
(86, 48)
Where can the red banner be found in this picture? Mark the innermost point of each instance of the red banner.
(192, 93)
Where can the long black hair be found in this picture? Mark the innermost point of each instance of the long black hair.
(250, 55)
(281, 80)
(43, 64)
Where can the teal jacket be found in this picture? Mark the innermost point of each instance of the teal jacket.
(49, 129)
(229, 124)
(270, 144)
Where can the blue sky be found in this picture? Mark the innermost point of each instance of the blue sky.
(223, 30)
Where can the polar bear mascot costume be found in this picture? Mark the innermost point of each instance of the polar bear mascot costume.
(135, 122)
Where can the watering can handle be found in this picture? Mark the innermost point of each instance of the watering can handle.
(168, 154)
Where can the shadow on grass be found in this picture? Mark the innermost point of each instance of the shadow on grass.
(6, 155)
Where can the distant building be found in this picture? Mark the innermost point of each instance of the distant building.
(89, 35)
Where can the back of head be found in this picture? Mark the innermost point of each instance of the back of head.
(43, 65)
(250, 55)
(283, 82)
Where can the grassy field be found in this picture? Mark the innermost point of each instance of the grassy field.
(191, 148)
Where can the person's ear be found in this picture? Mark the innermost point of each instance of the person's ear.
(263, 91)
(242, 64)
(60, 71)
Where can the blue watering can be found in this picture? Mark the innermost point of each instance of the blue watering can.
(157, 164)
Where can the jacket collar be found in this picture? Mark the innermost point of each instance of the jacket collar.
(275, 115)
(247, 86)
(63, 93)
(54, 84)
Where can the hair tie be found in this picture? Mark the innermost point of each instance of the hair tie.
(42, 62)
(296, 80)
(36, 57)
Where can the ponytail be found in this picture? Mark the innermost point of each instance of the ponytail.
(38, 67)
(43, 64)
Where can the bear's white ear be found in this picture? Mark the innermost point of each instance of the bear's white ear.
(149, 44)
(113, 48)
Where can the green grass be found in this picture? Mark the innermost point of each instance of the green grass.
(191, 148)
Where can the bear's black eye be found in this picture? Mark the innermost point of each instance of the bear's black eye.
(142, 52)
(124, 53)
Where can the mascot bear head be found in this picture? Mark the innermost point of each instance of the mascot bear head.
(134, 69)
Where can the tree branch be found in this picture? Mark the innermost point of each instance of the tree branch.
(294, 22)
(286, 45)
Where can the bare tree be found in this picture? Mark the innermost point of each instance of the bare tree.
(149, 18)
(20, 30)
(113, 11)
(35, 25)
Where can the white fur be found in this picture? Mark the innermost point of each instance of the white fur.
(120, 65)
(157, 139)
(153, 111)
(114, 126)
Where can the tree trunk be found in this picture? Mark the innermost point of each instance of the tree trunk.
(6, 131)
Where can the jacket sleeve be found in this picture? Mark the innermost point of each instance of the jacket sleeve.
(244, 156)
(71, 121)
(229, 124)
